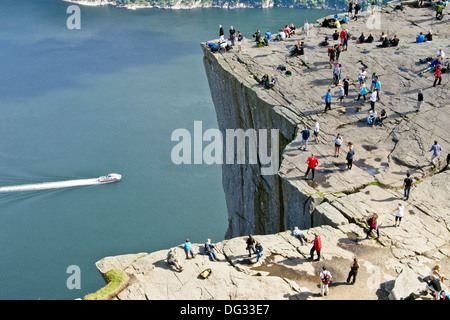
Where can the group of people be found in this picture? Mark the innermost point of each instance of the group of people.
(172, 256)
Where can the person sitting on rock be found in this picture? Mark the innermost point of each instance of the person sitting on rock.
(361, 38)
(394, 41)
(371, 117)
(369, 39)
(429, 36)
(335, 35)
(209, 249)
(264, 80)
(272, 82)
(382, 117)
(420, 38)
(298, 49)
(172, 259)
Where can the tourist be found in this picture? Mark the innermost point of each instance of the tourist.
(346, 39)
(419, 100)
(172, 259)
(362, 75)
(362, 91)
(374, 80)
(287, 31)
(373, 99)
(399, 212)
(361, 38)
(328, 100)
(232, 36)
(292, 27)
(382, 117)
(369, 39)
(440, 54)
(281, 36)
(373, 225)
(305, 29)
(342, 36)
(350, 155)
(378, 88)
(268, 34)
(357, 8)
(341, 93)
(429, 36)
(272, 82)
(436, 148)
(408, 183)
(371, 118)
(264, 80)
(250, 245)
(258, 250)
(325, 279)
(312, 164)
(335, 35)
(239, 38)
(420, 38)
(299, 235)
(331, 55)
(439, 11)
(394, 41)
(210, 250)
(350, 8)
(337, 72)
(221, 34)
(316, 131)
(337, 145)
(437, 76)
(317, 247)
(346, 83)
(188, 249)
(305, 136)
(353, 272)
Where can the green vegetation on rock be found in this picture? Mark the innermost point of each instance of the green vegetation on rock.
(116, 279)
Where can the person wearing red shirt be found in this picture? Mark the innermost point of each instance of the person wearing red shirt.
(437, 75)
(312, 164)
(342, 36)
(317, 247)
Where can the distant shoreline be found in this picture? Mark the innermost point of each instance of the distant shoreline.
(193, 6)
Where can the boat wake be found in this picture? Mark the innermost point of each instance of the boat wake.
(52, 185)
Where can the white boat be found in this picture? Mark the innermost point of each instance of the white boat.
(112, 177)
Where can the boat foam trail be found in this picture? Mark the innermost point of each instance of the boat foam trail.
(51, 185)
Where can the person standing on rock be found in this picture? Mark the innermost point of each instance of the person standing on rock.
(312, 164)
(399, 214)
(350, 8)
(419, 100)
(299, 235)
(408, 183)
(305, 29)
(250, 245)
(373, 225)
(232, 36)
(316, 131)
(437, 76)
(346, 85)
(305, 136)
(328, 100)
(221, 34)
(317, 247)
(350, 155)
(325, 279)
(353, 272)
(436, 148)
(337, 144)
(258, 250)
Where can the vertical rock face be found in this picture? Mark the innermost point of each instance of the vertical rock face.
(257, 203)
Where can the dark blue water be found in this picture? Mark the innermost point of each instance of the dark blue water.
(105, 98)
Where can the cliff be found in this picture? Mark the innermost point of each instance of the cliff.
(336, 204)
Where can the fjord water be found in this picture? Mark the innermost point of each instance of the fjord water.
(78, 104)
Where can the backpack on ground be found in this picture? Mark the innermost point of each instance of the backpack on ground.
(205, 273)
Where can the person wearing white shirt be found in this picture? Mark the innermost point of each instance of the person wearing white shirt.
(325, 279)
(373, 99)
(399, 214)
(441, 54)
(316, 131)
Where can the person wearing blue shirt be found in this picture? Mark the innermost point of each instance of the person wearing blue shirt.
(268, 34)
(420, 38)
(328, 100)
(305, 136)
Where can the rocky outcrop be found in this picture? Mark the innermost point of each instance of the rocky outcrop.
(336, 204)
